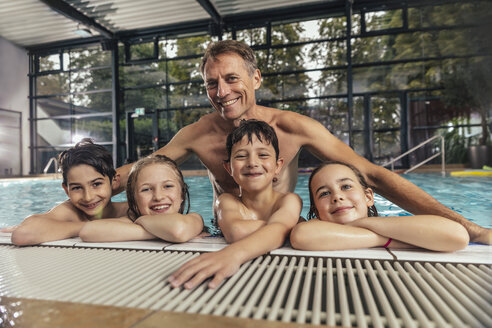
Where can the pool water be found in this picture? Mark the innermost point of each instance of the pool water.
(469, 196)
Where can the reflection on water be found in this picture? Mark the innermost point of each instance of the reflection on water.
(469, 196)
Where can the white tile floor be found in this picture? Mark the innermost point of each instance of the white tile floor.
(480, 254)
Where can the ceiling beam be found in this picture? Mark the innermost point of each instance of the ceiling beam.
(211, 10)
(71, 13)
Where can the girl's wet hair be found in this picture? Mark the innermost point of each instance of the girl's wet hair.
(262, 130)
(313, 212)
(88, 153)
(131, 186)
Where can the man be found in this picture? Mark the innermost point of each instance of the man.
(231, 77)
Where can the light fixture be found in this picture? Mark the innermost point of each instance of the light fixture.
(83, 31)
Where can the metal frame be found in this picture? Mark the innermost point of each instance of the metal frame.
(216, 25)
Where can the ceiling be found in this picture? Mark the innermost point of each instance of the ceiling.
(35, 23)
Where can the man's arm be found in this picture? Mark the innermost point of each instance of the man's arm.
(109, 230)
(176, 228)
(61, 222)
(226, 262)
(234, 227)
(319, 141)
(177, 149)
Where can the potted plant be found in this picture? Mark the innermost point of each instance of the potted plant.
(470, 87)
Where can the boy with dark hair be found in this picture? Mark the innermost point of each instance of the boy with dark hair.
(88, 178)
(255, 222)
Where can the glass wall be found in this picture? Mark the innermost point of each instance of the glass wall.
(406, 73)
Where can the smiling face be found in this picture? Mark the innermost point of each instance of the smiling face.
(230, 87)
(158, 190)
(338, 195)
(253, 165)
(88, 190)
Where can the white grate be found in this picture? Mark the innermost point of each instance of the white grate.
(333, 291)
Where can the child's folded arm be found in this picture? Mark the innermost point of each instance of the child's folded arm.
(427, 231)
(226, 262)
(317, 235)
(61, 222)
(233, 226)
(176, 228)
(109, 230)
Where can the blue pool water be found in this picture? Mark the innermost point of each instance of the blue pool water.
(469, 196)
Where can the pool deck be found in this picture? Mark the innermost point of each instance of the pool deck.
(28, 312)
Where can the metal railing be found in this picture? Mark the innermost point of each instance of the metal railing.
(47, 167)
(442, 153)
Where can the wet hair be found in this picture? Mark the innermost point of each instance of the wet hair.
(88, 153)
(215, 49)
(313, 211)
(131, 186)
(264, 132)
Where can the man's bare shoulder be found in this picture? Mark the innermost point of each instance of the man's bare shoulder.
(204, 124)
(291, 122)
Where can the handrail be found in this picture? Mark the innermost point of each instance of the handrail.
(442, 153)
(47, 167)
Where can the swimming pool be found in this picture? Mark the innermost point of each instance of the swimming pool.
(469, 196)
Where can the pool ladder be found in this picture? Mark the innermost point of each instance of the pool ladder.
(47, 167)
(442, 153)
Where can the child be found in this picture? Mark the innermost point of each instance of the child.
(88, 176)
(256, 221)
(344, 217)
(157, 195)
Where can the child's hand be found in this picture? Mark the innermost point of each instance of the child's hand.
(219, 264)
(9, 229)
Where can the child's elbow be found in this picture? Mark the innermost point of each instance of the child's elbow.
(24, 234)
(299, 238)
(457, 238)
(180, 233)
(23, 237)
(88, 234)
(461, 238)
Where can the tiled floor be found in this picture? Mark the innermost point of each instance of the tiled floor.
(472, 254)
(23, 312)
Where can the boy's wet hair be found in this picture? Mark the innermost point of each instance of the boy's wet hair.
(215, 49)
(88, 153)
(264, 132)
(131, 186)
(313, 212)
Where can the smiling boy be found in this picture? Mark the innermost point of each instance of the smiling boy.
(255, 222)
(88, 179)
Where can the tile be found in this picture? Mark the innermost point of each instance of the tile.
(25, 313)
(208, 240)
(471, 254)
(136, 244)
(196, 247)
(5, 238)
(193, 320)
(365, 253)
(64, 242)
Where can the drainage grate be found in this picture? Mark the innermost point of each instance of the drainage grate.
(343, 292)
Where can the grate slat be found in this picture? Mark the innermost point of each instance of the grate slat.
(382, 297)
(318, 288)
(321, 291)
(360, 317)
(395, 298)
(262, 307)
(465, 304)
(255, 296)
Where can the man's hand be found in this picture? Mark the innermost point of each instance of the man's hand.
(481, 235)
(221, 265)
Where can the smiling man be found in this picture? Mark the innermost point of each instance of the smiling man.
(231, 77)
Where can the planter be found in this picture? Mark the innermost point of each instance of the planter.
(478, 156)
